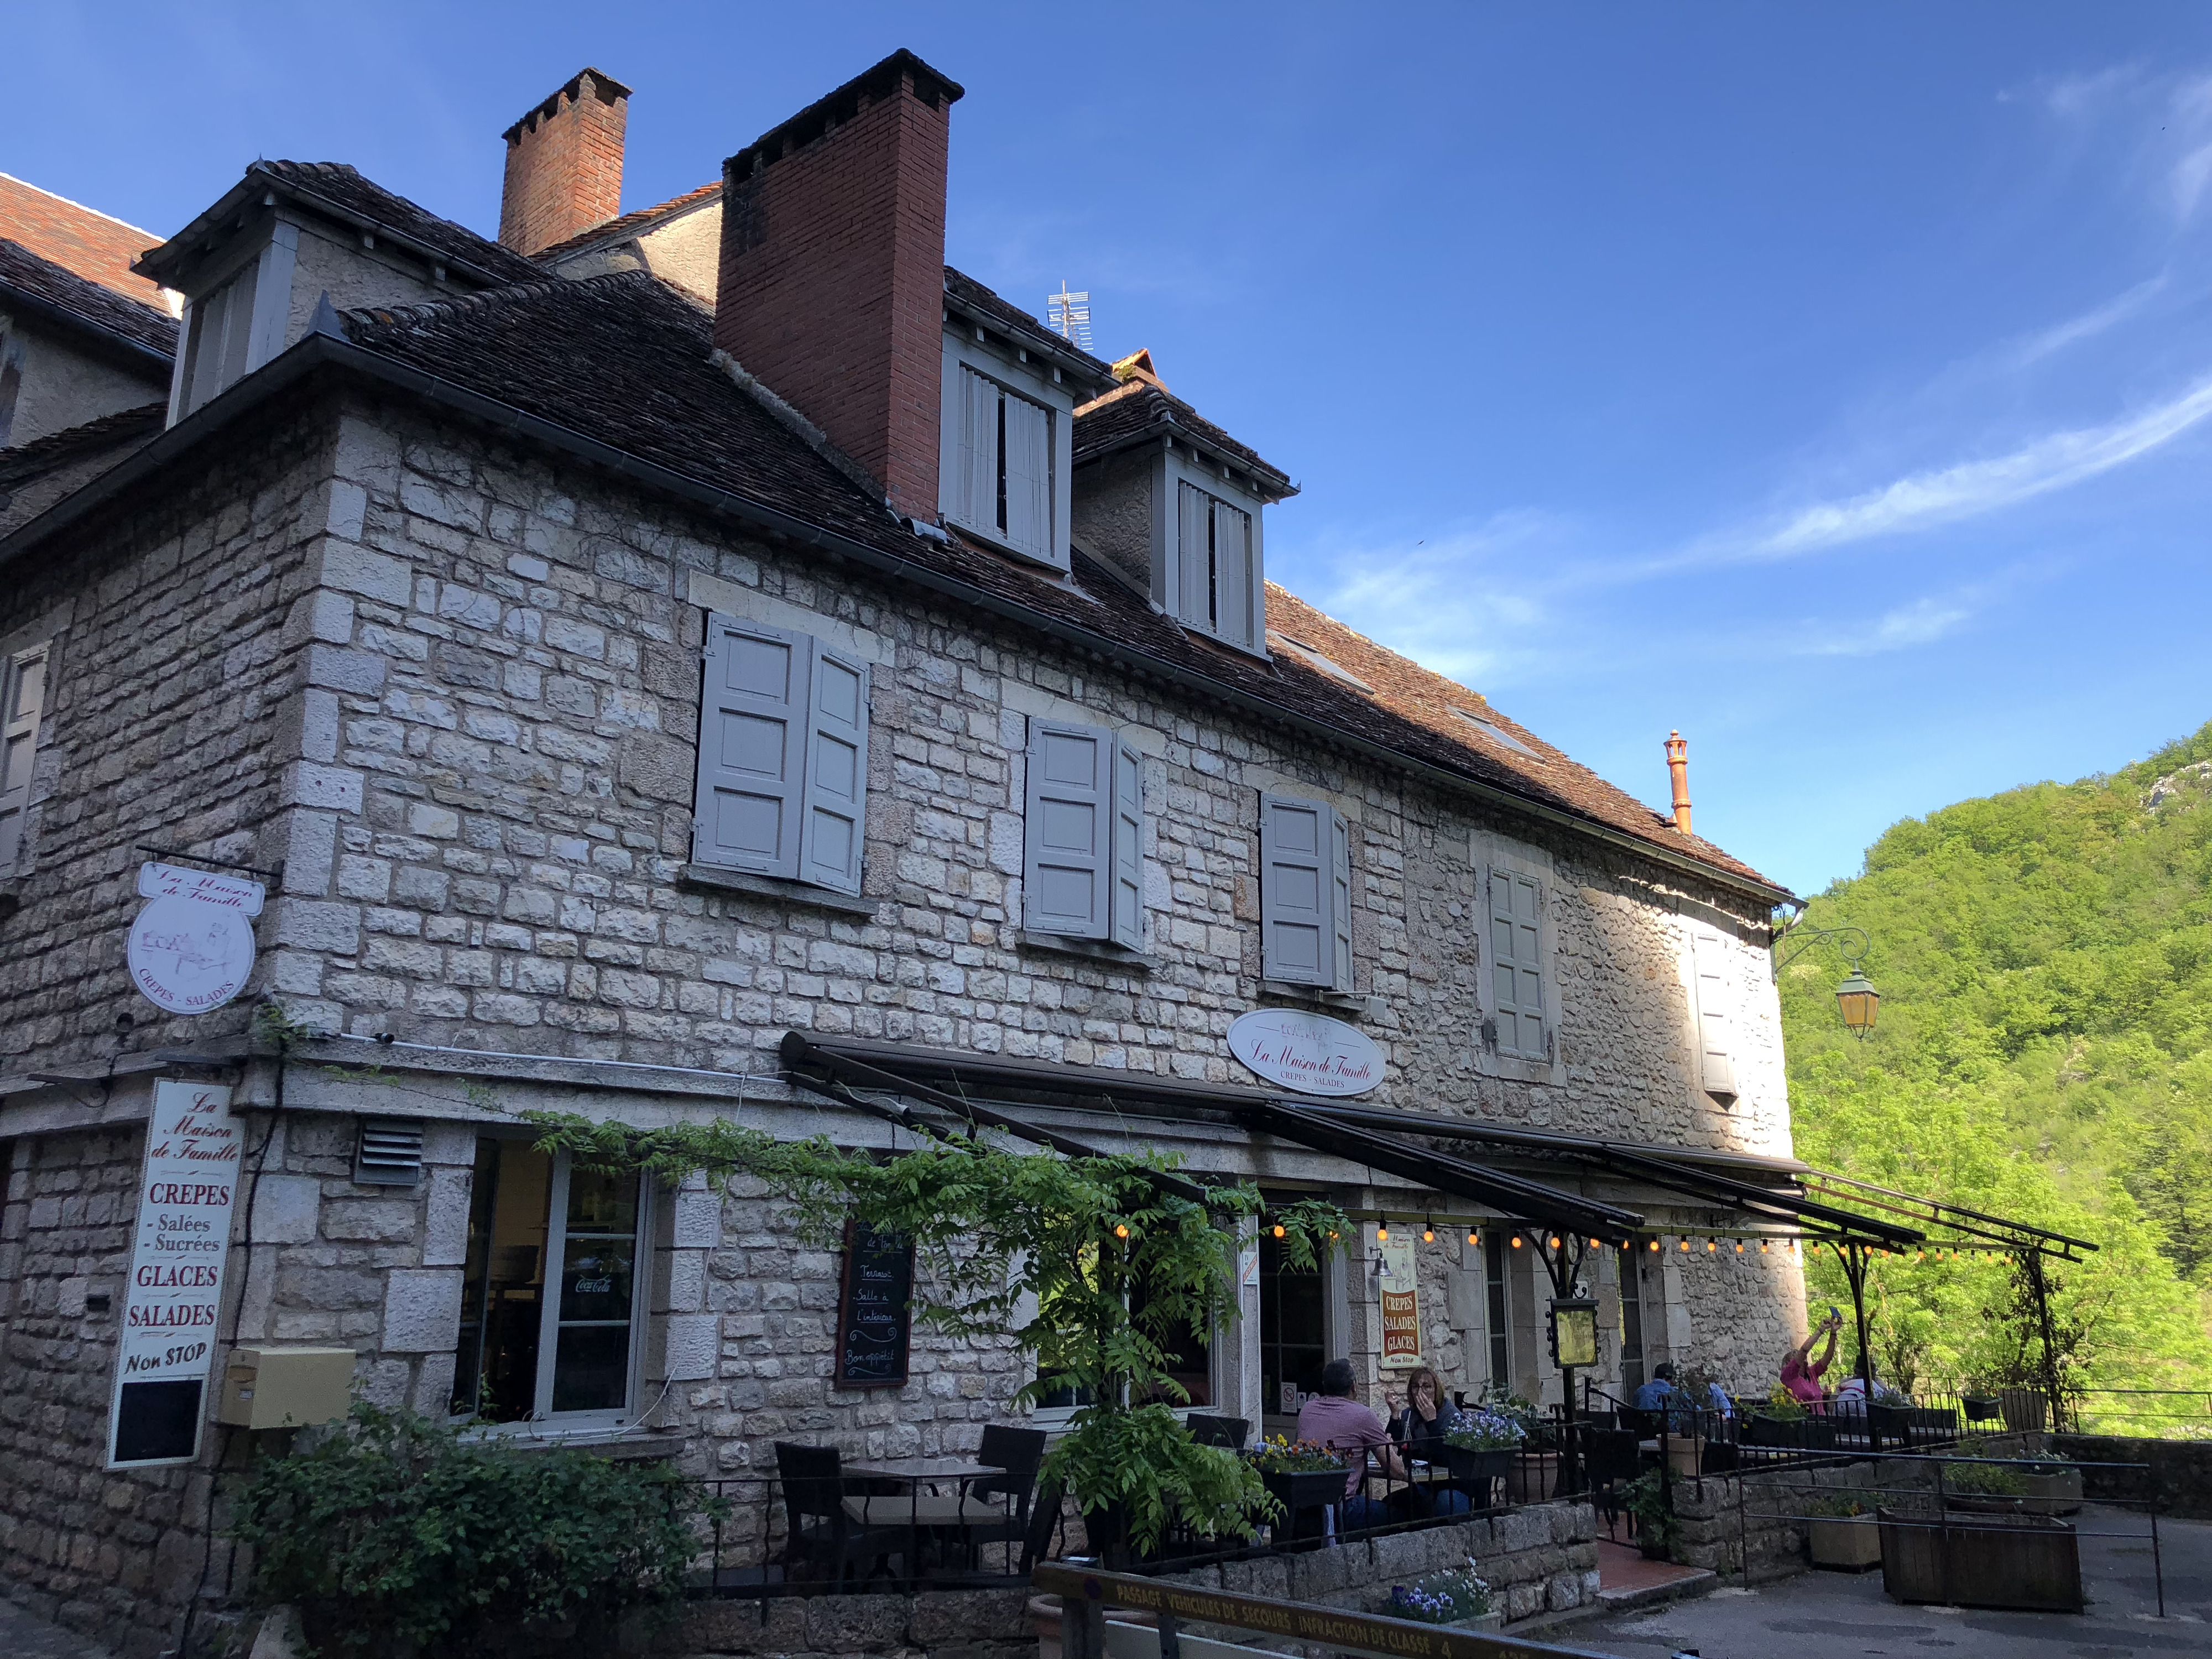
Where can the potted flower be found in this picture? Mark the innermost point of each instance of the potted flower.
(1299, 1474)
(1531, 1478)
(1645, 1498)
(1480, 1448)
(1457, 1595)
(1844, 1535)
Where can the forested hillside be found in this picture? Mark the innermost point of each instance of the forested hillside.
(2044, 1051)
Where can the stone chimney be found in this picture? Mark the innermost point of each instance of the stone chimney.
(1678, 769)
(564, 164)
(832, 290)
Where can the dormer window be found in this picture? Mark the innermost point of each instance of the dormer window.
(1214, 580)
(1001, 484)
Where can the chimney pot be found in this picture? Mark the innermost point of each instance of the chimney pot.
(832, 288)
(1678, 769)
(564, 164)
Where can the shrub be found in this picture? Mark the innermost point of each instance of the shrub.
(1983, 1479)
(398, 1537)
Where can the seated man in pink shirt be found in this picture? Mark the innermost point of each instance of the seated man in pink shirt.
(1334, 1418)
(1799, 1374)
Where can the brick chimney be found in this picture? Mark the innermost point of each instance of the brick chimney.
(1678, 770)
(832, 290)
(564, 164)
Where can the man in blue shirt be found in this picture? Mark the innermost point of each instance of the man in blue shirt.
(1660, 1395)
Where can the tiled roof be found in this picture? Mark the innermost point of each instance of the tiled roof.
(633, 223)
(643, 348)
(41, 279)
(40, 473)
(1019, 323)
(89, 244)
(1138, 410)
(340, 190)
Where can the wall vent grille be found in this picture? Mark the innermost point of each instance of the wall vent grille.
(390, 1153)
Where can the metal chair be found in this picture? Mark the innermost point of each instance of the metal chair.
(819, 1527)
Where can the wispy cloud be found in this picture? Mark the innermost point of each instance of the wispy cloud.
(2189, 176)
(1923, 500)
(2090, 324)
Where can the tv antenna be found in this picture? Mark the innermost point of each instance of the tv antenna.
(1070, 314)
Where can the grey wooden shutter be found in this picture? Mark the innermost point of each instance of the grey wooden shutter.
(1069, 837)
(1028, 476)
(1125, 900)
(1296, 891)
(1193, 557)
(1715, 1037)
(753, 722)
(1340, 915)
(23, 697)
(835, 801)
(975, 485)
(1232, 574)
(1517, 961)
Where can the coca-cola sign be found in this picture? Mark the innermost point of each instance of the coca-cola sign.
(1311, 1054)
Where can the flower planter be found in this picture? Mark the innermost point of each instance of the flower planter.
(1682, 1454)
(1477, 1473)
(2027, 1563)
(1979, 1408)
(1846, 1543)
(1300, 1494)
(2058, 1493)
(1532, 1477)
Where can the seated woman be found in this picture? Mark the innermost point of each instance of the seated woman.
(1421, 1428)
(1801, 1374)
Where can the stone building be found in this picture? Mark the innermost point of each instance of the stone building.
(664, 688)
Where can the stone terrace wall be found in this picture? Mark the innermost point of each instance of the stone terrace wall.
(2180, 1470)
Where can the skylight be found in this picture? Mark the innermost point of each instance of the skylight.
(1334, 670)
(1496, 734)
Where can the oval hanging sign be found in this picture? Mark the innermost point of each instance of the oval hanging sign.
(1310, 1053)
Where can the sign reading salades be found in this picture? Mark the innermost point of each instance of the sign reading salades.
(1400, 1285)
(175, 1294)
(193, 946)
(1310, 1053)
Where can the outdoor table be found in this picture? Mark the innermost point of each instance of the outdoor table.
(914, 1474)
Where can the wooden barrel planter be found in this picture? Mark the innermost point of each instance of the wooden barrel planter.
(1971, 1559)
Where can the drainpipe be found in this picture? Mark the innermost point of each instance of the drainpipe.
(1678, 768)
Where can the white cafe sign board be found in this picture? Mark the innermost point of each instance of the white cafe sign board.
(1310, 1053)
(193, 946)
(174, 1297)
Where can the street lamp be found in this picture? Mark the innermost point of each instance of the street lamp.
(1855, 997)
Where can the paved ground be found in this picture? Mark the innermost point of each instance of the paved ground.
(23, 1636)
(1834, 1615)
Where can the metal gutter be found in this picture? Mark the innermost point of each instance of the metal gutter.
(319, 350)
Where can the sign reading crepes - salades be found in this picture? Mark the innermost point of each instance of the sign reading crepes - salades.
(1310, 1053)
(174, 1297)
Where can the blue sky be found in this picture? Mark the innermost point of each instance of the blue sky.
(1831, 384)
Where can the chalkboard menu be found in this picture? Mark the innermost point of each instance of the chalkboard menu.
(873, 1320)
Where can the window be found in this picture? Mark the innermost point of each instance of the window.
(1497, 734)
(783, 755)
(23, 697)
(1714, 1010)
(1001, 480)
(1212, 584)
(221, 327)
(527, 1356)
(1494, 1309)
(1516, 967)
(1293, 1331)
(1631, 1323)
(1306, 893)
(1083, 865)
(1306, 653)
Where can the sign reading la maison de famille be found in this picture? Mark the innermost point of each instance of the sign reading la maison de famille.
(1311, 1054)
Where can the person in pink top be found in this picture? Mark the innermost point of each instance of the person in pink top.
(1801, 1375)
(1334, 1418)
